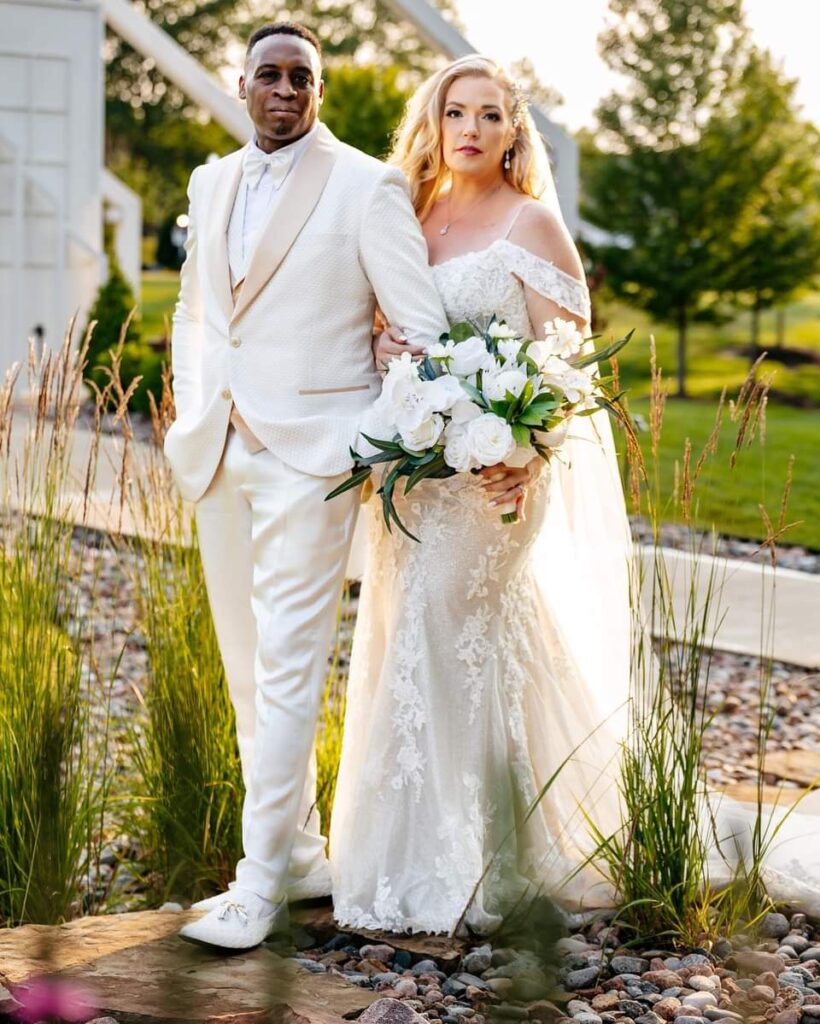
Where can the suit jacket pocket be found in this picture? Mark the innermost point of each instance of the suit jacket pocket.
(334, 391)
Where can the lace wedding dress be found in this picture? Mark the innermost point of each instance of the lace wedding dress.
(463, 698)
(485, 657)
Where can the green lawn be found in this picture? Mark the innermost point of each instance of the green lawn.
(729, 498)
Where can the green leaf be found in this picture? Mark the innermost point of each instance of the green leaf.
(385, 446)
(462, 331)
(521, 435)
(603, 353)
(356, 477)
(474, 393)
(424, 471)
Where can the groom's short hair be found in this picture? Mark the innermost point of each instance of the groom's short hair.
(285, 28)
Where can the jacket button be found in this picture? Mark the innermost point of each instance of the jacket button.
(235, 342)
(226, 393)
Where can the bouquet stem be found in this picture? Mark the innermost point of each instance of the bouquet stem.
(509, 517)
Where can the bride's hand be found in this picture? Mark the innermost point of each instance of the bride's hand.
(389, 344)
(509, 483)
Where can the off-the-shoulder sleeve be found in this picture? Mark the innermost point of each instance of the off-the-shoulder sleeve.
(546, 279)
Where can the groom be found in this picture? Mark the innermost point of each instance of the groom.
(293, 241)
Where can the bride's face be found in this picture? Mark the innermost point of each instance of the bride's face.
(476, 127)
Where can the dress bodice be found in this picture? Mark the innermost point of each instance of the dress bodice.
(475, 285)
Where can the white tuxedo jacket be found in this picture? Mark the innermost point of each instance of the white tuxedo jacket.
(294, 352)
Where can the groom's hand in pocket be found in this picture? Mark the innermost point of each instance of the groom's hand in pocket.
(390, 343)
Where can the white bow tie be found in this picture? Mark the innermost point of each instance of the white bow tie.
(255, 163)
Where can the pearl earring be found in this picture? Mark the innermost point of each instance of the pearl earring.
(507, 160)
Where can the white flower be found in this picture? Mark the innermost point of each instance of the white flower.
(443, 392)
(563, 337)
(497, 385)
(425, 435)
(457, 453)
(463, 411)
(490, 439)
(441, 350)
(578, 386)
(555, 438)
(542, 355)
(509, 349)
(404, 403)
(500, 330)
(470, 356)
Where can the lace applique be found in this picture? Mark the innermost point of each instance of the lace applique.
(546, 279)
(489, 282)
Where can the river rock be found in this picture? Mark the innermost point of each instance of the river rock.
(700, 1000)
(391, 1011)
(774, 926)
(666, 1007)
(628, 965)
(584, 978)
(380, 951)
(812, 953)
(479, 960)
(754, 962)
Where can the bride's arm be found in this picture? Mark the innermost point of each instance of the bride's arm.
(543, 235)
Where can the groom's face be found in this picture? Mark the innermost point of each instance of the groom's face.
(282, 86)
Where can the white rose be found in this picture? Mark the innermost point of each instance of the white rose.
(464, 411)
(443, 392)
(425, 435)
(510, 349)
(499, 330)
(490, 439)
(563, 337)
(497, 385)
(470, 356)
(457, 453)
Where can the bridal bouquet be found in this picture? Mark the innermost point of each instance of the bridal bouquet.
(478, 398)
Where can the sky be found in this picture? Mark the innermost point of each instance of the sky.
(559, 37)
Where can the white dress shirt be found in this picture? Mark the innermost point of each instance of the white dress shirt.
(255, 200)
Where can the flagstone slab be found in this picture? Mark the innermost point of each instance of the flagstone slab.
(802, 766)
(140, 972)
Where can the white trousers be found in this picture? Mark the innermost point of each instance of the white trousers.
(274, 554)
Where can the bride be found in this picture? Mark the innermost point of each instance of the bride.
(487, 653)
(490, 678)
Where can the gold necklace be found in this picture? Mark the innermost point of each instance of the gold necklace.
(470, 208)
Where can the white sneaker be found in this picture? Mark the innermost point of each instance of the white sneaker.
(241, 920)
(310, 887)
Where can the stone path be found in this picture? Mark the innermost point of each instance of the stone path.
(135, 969)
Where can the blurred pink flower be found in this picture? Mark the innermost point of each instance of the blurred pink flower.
(54, 999)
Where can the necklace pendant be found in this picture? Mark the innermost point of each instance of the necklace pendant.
(445, 229)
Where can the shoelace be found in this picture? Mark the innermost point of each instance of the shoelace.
(232, 906)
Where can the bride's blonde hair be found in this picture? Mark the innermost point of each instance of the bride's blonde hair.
(417, 141)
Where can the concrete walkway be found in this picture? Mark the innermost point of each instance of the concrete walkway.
(747, 590)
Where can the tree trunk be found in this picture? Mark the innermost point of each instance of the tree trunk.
(754, 345)
(781, 328)
(683, 323)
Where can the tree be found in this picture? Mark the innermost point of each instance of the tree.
(776, 242)
(363, 104)
(659, 182)
(151, 124)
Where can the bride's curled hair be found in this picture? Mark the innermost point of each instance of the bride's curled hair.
(417, 141)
